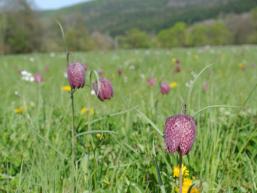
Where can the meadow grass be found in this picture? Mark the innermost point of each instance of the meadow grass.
(120, 145)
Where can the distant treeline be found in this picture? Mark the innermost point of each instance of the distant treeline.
(22, 31)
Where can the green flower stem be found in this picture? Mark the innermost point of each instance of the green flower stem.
(180, 173)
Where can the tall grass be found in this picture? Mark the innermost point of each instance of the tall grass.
(35, 145)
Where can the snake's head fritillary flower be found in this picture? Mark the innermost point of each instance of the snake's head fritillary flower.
(120, 72)
(179, 133)
(151, 81)
(76, 75)
(164, 88)
(178, 67)
(38, 78)
(103, 89)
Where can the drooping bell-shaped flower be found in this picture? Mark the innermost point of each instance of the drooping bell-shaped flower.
(178, 68)
(179, 133)
(119, 71)
(76, 75)
(164, 88)
(103, 89)
(38, 78)
(151, 81)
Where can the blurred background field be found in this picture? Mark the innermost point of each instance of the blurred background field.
(205, 51)
(114, 24)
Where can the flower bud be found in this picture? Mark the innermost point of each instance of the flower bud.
(164, 88)
(103, 89)
(76, 75)
(179, 133)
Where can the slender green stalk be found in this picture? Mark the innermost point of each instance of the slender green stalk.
(73, 139)
(180, 173)
(73, 130)
(192, 84)
(184, 110)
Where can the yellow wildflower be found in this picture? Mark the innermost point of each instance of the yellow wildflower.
(174, 60)
(19, 110)
(195, 190)
(99, 136)
(176, 171)
(83, 110)
(173, 84)
(66, 88)
(90, 111)
(187, 183)
(242, 66)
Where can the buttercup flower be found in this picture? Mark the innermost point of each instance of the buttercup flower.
(66, 88)
(83, 110)
(103, 89)
(90, 111)
(179, 133)
(19, 110)
(164, 88)
(187, 183)
(173, 84)
(99, 136)
(242, 66)
(176, 170)
(76, 75)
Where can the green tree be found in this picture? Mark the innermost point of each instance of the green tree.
(22, 30)
(254, 15)
(215, 33)
(135, 38)
(174, 36)
(77, 36)
(252, 38)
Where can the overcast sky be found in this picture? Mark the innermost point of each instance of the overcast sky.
(55, 4)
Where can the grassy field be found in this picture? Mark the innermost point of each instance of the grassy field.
(129, 153)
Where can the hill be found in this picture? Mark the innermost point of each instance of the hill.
(117, 16)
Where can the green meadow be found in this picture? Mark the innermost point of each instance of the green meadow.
(120, 146)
